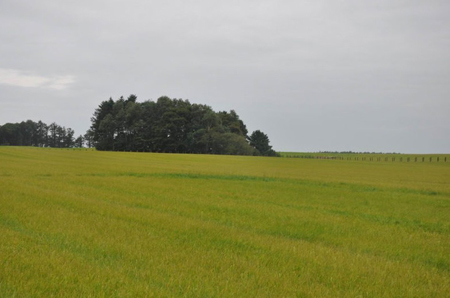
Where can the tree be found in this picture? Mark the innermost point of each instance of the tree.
(78, 143)
(232, 123)
(53, 135)
(27, 131)
(60, 136)
(133, 124)
(89, 138)
(100, 137)
(231, 144)
(10, 134)
(30, 133)
(169, 125)
(106, 134)
(41, 134)
(260, 141)
(68, 138)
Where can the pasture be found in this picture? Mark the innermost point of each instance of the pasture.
(83, 223)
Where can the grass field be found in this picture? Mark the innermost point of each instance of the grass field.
(82, 223)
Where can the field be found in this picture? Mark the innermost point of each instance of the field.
(83, 223)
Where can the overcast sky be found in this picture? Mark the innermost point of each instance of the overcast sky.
(314, 75)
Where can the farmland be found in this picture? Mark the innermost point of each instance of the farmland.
(116, 224)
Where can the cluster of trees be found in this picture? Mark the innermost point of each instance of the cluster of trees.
(30, 133)
(167, 125)
(173, 125)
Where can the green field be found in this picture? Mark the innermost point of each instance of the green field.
(83, 223)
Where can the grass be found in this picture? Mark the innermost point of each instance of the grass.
(104, 224)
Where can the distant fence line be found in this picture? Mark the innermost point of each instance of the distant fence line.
(376, 158)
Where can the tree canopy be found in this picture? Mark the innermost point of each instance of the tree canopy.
(30, 133)
(170, 125)
(260, 141)
(165, 125)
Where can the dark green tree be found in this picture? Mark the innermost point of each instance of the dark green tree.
(231, 144)
(89, 138)
(100, 137)
(53, 135)
(79, 141)
(231, 123)
(104, 136)
(41, 135)
(60, 136)
(168, 125)
(30, 133)
(27, 133)
(68, 138)
(10, 134)
(260, 141)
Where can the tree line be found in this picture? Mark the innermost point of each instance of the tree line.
(165, 125)
(39, 134)
(173, 126)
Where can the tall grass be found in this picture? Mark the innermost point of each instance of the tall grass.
(87, 223)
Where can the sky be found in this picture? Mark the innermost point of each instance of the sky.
(314, 75)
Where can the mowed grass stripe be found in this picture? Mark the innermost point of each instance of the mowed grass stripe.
(306, 227)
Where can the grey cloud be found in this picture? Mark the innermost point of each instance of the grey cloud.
(314, 75)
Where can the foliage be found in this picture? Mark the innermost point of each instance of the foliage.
(169, 125)
(38, 134)
(89, 138)
(260, 141)
(79, 141)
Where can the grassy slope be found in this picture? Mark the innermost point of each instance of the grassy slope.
(77, 222)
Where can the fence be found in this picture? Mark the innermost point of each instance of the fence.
(376, 158)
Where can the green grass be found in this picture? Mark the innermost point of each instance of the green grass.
(79, 223)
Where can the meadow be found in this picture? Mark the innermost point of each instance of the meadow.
(84, 223)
